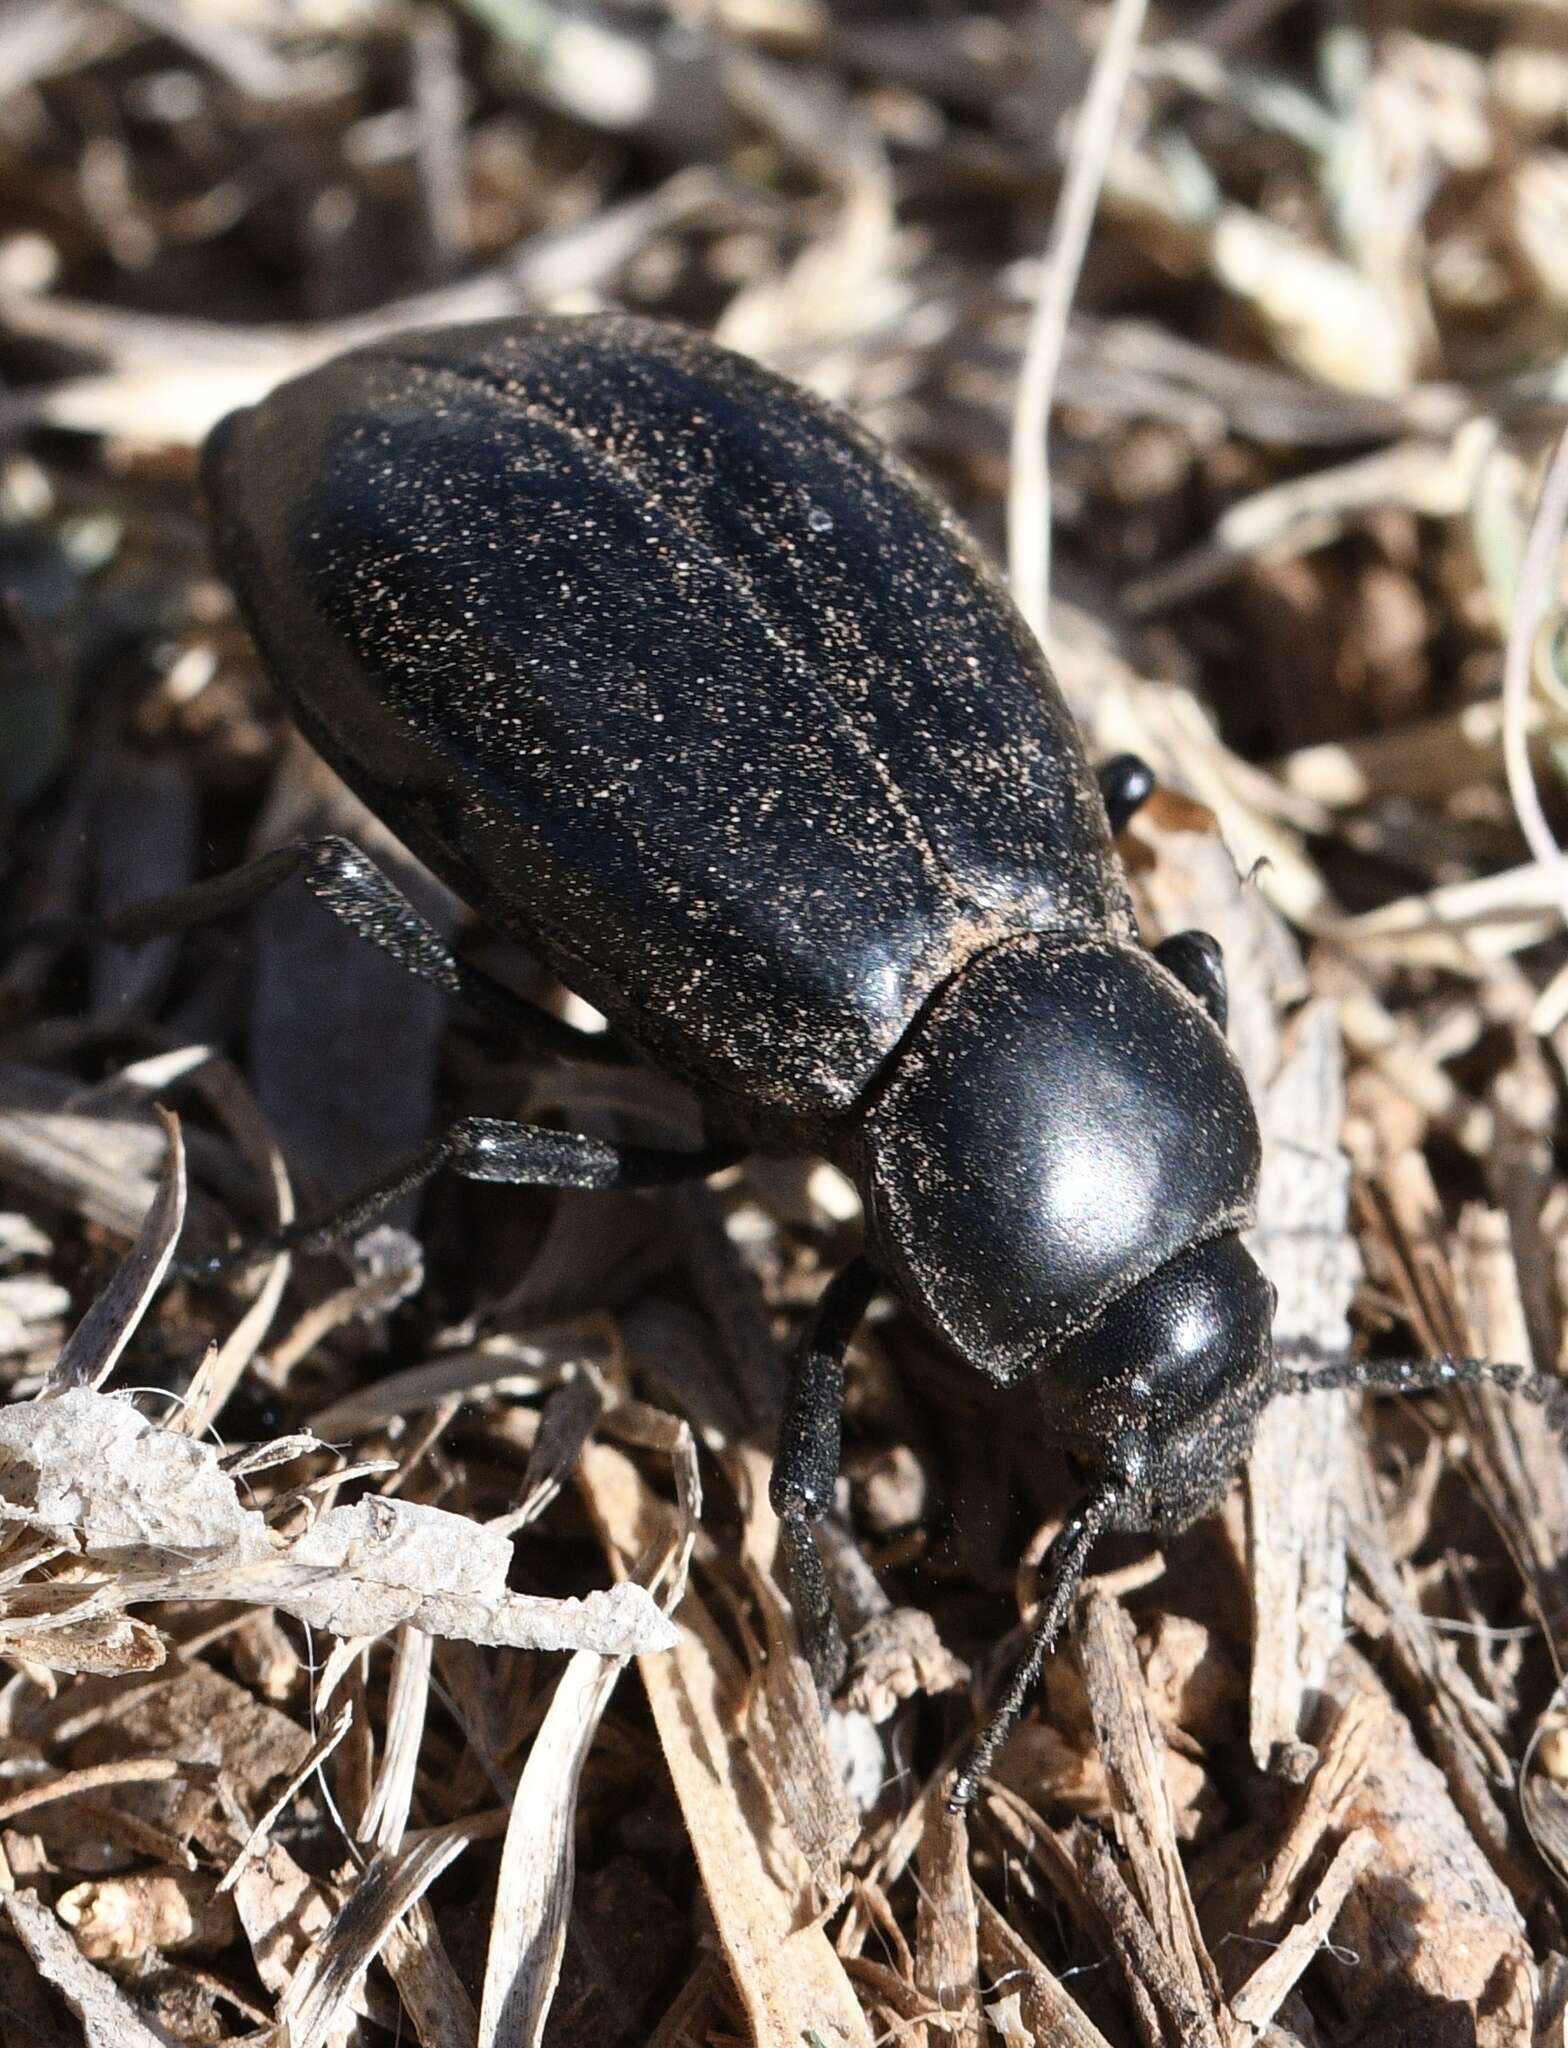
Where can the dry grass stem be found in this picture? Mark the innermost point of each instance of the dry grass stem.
(396, 1646)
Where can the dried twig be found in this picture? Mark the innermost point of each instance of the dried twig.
(1094, 137)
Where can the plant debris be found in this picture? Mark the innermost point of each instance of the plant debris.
(1240, 333)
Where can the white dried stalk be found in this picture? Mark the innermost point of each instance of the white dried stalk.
(93, 1349)
(534, 1889)
(153, 1515)
(538, 1863)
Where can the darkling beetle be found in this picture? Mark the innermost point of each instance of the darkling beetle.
(670, 670)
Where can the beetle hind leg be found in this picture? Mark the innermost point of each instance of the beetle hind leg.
(347, 882)
(805, 1464)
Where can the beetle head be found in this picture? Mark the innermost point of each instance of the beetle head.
(1163, 1390)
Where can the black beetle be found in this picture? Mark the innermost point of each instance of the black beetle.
(670, 670)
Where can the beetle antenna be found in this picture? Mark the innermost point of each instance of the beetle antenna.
(1430, 1376)
(1060, 1571)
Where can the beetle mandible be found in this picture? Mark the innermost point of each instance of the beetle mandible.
(671, 671)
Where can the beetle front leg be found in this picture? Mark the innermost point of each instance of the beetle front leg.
(1198, 964)
(1061, 1570)
(805, 1464)
(487, 1149)
(1126, 784)
(347, 882)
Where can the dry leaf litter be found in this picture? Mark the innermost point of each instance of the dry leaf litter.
(317, 1593)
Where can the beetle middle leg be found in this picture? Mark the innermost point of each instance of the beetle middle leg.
(347, 882)
(487, 1149)
(805, 1463)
